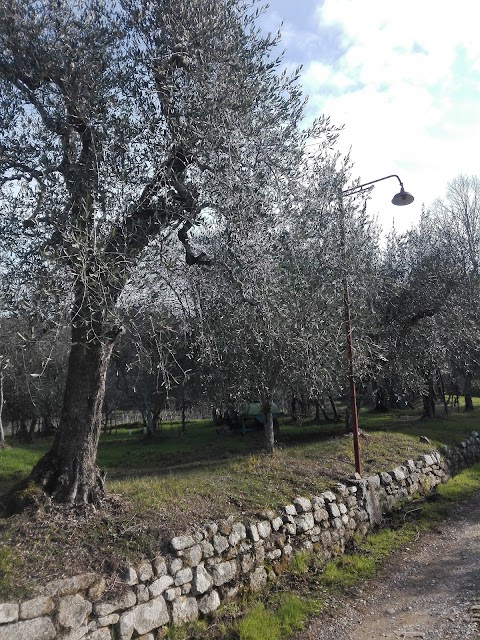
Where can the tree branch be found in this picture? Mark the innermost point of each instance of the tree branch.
(152, 210)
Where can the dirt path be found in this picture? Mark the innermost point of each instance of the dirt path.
(430, 590)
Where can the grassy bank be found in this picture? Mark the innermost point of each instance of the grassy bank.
(156, 471)
(159, 487)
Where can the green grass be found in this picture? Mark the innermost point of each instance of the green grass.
(259, 624)
(299, 563)
(345, 571)
(231, 472)
(185, 632)
(462, 485)
(293, 612)
(287, 616)
(19, 459)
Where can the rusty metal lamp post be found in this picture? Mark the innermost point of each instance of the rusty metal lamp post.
(400, 199)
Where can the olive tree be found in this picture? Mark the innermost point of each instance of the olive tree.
(457, 215)
(245, 320)
(125, 124)
(274, 319)
(417, 300)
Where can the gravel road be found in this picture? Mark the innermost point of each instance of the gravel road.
(430, 590)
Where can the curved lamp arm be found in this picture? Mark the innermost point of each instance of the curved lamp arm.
(399, 199)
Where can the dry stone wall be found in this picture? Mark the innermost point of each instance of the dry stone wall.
(213, 563)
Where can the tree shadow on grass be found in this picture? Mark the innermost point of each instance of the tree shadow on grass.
(308, 437)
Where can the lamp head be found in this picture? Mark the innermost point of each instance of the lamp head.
(402, 198)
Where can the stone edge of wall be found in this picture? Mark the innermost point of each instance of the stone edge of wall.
(212, 564)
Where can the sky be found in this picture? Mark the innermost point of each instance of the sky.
(403, 77)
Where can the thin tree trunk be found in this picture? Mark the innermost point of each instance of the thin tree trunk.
(156, 419)
(303, 404)
(268, 424)
(47, 426)
(429, 399)
(323, 410)
(148, 420)
(444, 395)
(381, 401)
(184, 422)
(348, 416)
(456, 401)
(468, 393)
(31, 430)
(23, 433)
(294, 405)
(336, 417)
(2, 432)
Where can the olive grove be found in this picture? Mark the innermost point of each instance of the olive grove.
(122, 125)
(162, 213)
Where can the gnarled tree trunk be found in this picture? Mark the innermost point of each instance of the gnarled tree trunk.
(68, 472)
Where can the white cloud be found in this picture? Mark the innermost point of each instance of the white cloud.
(317, 74)
(404, 79)
(403, 87)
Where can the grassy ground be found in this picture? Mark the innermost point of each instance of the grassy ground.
(160, 487)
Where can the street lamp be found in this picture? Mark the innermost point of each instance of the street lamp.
(399, 199)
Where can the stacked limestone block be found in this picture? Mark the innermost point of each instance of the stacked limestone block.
(457, 458)
(216, 561)
(380, 493)
(63, 609)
